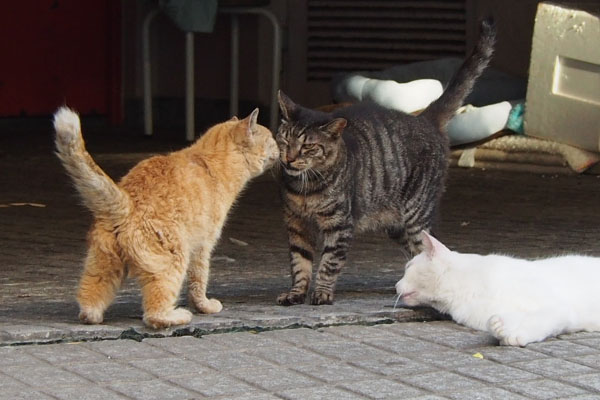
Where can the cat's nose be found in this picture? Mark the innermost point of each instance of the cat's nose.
(398, 287)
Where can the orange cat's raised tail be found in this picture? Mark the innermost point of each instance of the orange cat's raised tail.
(99, 192)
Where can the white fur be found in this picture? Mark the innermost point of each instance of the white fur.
(67, 126)
(518, 301)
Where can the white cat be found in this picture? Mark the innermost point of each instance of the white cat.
(518, 301)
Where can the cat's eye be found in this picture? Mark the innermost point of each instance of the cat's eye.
(309, 146)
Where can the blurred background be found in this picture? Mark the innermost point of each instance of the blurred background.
(88, 54)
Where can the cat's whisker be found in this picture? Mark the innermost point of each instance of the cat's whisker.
(305, 182)
(316, 174)
(397, 300)
(319, 174)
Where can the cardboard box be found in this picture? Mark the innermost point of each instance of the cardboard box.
(563, 93)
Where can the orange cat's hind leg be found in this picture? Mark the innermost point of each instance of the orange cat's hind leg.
(160, 291)
(198, 282)
(102, 276)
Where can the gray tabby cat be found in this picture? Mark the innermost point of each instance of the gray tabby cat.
(387, 172)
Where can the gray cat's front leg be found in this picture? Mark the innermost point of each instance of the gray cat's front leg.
(337, 235)
(302, 246)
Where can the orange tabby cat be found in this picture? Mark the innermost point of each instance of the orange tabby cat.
(165, 216)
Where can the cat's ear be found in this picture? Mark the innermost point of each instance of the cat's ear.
(249, 123)
(334, 128)
(431, 246)
(286, 105)
(234, 118)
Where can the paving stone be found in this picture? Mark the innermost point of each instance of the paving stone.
(167, 367)
(108, 372)
(358, 332)
(242, 340)
(588, 381)
(184, 344)
(248, 396)
(24, 333)
(302, 335)
(81, 331)
(232, 360)
(579, 335)
(64, 353)
(24, 394)
(405, 345)
(212, 384)
(447, 358)
(42, 376)
(87, 392)
(319, 393)
(334, 373)
(153, 390)
(495, 373)
(381, 389)
(259, 320)
(488, 393)
(583, 397)
(392, 365)
(561, 348)
(8, 384)
(16, 356)
(464, 340)
(591, 342)
(347, 350)
(427, 329)
(590, 360)
(441, 381)
(543, 389)
(274, 379)
(553, 367)
(126, 349)
(508, 354)
(288, 355)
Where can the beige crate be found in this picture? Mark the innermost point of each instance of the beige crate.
(563, 94)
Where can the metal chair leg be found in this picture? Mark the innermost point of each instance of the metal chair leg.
(274, 108)
(146, 67)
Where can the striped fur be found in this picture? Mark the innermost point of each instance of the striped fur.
(386, 172)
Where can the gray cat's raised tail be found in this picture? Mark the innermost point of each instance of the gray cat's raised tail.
(444, 108)
(99, 192)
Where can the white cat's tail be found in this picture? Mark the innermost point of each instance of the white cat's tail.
(100, 193)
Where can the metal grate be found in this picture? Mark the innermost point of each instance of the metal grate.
(351, 35)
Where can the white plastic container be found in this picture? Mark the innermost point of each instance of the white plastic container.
(563, 93)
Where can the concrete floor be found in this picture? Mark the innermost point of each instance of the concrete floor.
(42, 244)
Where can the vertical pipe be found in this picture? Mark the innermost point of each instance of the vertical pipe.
(274, 111)
(189, 87)
(147, 72)
(234, 77)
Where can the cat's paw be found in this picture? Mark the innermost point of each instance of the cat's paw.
(502, 331)
(209, 306)
(291, 299)
(178, 316)
(320, 297)
(91, 316)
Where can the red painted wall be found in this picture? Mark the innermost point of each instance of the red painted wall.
(55, 52)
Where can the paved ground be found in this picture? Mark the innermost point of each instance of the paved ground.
(255, 349)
